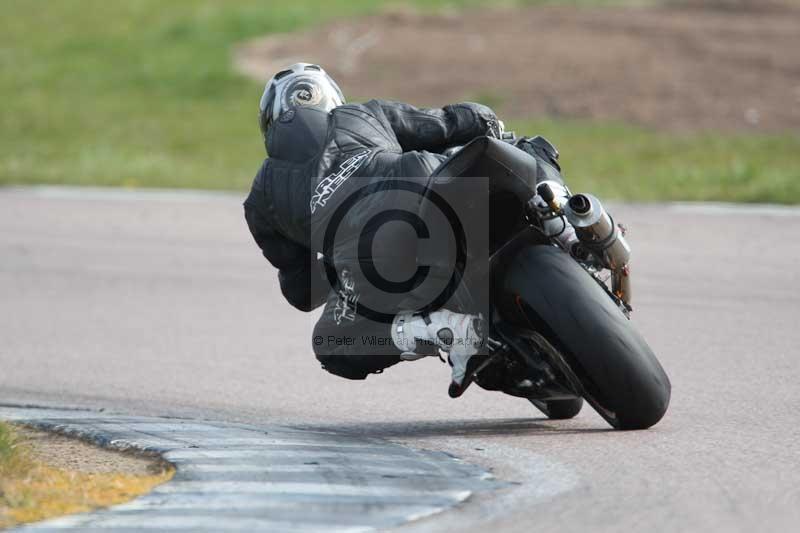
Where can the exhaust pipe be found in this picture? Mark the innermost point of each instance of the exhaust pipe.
(597, 233)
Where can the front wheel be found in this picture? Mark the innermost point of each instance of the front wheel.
(559, 409)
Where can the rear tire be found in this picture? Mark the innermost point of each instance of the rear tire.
(546, 291)
(559, 409)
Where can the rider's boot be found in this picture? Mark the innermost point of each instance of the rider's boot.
(422, 334)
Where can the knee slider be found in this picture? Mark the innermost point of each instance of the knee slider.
(342, 366)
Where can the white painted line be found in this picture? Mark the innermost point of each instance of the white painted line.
(260, 441)
(210, 523)
(124, 194)
(278, 468)
(316, 489)
(244, 503)
(197, 454)
(67, 192)
(727, 209)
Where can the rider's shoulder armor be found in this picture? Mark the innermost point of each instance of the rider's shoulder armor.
(362, 125)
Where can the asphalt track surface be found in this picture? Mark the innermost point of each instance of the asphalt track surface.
(159, 304)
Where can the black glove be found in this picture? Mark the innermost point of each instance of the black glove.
(540, 148)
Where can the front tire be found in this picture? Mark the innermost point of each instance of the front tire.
(559, 409)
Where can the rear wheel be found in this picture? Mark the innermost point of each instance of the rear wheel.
(546, 291)
(559, 409)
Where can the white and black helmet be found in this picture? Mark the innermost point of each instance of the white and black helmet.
(302, 84)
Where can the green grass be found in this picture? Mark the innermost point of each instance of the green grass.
(14, 461)
(141, 93)
(6, 445)
(625, 162)
(32, 490)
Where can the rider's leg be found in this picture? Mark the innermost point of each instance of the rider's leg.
(352, 346)
(346, 342)
(349, 345)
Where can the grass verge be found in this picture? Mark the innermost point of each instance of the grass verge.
(142, 94)
(629, 163)
(31, 490)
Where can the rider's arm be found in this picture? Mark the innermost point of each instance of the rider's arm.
(435, 129)
(300, 273)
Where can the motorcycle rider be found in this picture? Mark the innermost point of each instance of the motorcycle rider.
(316, 143)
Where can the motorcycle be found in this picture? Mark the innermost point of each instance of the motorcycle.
(558, 334)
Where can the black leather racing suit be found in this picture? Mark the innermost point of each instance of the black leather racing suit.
(305, 179)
